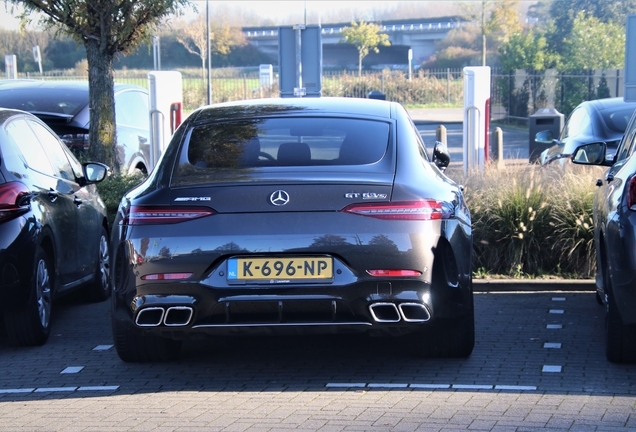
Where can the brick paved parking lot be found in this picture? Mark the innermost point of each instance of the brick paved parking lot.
(538, 364)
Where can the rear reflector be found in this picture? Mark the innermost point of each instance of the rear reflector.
(406, 210)
(145, 215)
(394, 273)
(13, 200)
(166, 276)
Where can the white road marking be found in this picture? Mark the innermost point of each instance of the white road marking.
(554, 326)
(551, 368)
(102, 347)
(72, 370)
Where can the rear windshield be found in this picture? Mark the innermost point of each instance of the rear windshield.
(220, 148)
(45, 100)
(617, 120)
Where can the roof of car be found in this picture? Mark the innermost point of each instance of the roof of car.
(610, 103)
(339, 106)
(35, 85)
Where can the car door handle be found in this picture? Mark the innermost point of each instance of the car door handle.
(77, 201)
(52, 195)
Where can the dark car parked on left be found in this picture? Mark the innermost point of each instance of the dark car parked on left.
(53, 227)
(615, 239)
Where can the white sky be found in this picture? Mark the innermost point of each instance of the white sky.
(274, 10)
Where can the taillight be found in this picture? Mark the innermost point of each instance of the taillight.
(406, 210)
(394, 273)
(166, 276)
(75, 141)
(147, 215)
(14, 200)
(631, 194)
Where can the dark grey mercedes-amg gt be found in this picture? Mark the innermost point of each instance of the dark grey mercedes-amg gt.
(313, 215)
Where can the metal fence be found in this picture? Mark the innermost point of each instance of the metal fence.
(513, 95)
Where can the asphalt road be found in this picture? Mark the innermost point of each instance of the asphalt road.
(538, 364)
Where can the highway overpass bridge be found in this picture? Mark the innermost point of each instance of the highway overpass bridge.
(420, 35)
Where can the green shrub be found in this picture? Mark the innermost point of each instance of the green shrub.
(113, 188)
(531, 221)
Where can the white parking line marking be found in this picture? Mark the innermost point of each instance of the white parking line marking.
(387, 385)
(24, 390)
(102, 347)
(72, 370)
(551, 369)
(98, 388)
(345, 385)
(430, 386)
(55, 389)
(554, 326)
(554, 345)
(514, 387)
(58, 389)
(557, 311)
(438, 386)
(472, 387)
(558, 298)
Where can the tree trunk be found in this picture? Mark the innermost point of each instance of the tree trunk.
(360, 65)
(101, 99)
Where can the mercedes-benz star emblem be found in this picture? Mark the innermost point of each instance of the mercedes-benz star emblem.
(279, 198)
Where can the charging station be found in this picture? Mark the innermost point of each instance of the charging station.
(476, 117)
(166, 110)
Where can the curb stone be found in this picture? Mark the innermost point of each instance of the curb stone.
(533, 285)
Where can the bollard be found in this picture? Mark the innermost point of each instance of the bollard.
(497, 147)
(440, 135)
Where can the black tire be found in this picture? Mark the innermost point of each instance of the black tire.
(136, 348)
(31, 325)
(99, 289)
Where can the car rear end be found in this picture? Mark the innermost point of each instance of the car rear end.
(290, 222)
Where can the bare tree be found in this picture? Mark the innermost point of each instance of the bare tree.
(222, 39)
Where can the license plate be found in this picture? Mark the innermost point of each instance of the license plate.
(280, 269)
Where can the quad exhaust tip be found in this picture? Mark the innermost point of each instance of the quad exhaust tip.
(391, 313)
(174, 316)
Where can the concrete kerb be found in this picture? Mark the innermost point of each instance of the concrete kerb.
(533, 285)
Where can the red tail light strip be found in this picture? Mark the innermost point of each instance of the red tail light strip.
(167, 276)
(631, 194)
(407, 210)
(394, 273)
(11, 195)
(142, 215)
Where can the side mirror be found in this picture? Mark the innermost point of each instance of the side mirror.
(441, 156)
(94, 172)
(591, 154)
(544, 137)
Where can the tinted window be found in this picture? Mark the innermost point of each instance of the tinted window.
(282, 142)
(131, 109)
(55, 152)
(617, 120)
(29, 145)
(627, 145)
(577, 123)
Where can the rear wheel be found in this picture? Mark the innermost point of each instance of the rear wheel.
(99, 290)
(133, 347)
(31, 325)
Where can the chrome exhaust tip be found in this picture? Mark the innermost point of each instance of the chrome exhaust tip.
(150, 317)
(178, 316)
(414, 312)
(384, 312)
